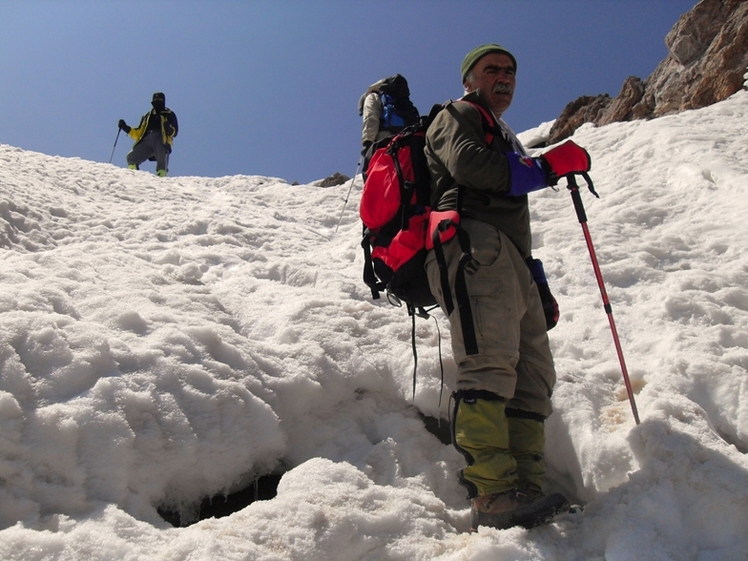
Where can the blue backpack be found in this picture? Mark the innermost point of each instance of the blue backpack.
(398, 111)
(391, 119)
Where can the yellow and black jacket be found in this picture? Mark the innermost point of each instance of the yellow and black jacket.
(166, 116)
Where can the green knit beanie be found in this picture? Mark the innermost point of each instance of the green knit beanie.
(476, 54)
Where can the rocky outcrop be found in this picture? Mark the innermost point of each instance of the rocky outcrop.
(336, 178)
(707, 57)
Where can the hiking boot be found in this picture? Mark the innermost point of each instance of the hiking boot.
(515, 508)
(161, 173)
(132, 166)
(531, 491)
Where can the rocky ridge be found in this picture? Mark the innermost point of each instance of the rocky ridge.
(706, 63)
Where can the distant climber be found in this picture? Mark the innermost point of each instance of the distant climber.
(154, 136)
(386, 109)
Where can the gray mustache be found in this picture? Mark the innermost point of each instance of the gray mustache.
(503, 89)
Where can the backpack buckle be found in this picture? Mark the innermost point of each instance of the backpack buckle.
(394, 300)
(469, 264)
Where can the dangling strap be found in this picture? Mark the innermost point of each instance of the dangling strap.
(370, 278)
(406, 187)
(413, 313)
(413, 344)
(470, 266)
(441, 364)
(422, 312)
(442, 227)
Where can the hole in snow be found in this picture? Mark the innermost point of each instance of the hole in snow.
(262, 489)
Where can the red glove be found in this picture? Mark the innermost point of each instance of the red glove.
(567, 158)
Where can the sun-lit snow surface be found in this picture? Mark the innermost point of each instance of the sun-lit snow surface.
(162, 340)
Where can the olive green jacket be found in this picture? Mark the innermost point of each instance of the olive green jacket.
(460, 160)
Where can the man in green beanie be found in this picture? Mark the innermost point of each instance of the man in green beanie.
(482, 174)
(476, 54)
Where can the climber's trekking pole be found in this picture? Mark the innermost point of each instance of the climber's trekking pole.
(582, 216)
(116, 138)
(358, 166)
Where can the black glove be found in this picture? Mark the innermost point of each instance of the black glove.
(123, 126)
(550, 305)
(366, 145)
(168, 129)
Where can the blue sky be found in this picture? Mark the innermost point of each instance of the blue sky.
(271, 87)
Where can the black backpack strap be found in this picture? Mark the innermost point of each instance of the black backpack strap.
(369, 277)
(441, 364)
(442, 263)
(466, 265)
(489, 124)
(406, 187)
(411, 311)
(421, 312)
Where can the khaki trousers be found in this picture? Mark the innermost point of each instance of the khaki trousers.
(514, 357)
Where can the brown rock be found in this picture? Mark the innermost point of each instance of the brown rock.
(585, 109)
(622, 107)
(336, 178)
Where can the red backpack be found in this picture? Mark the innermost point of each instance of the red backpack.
(395, 209)
(396, 213)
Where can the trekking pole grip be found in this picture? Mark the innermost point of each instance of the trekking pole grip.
(576, 197)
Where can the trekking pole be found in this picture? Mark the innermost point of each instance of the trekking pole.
(582, 216)
(358, 166)
(116, 138)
